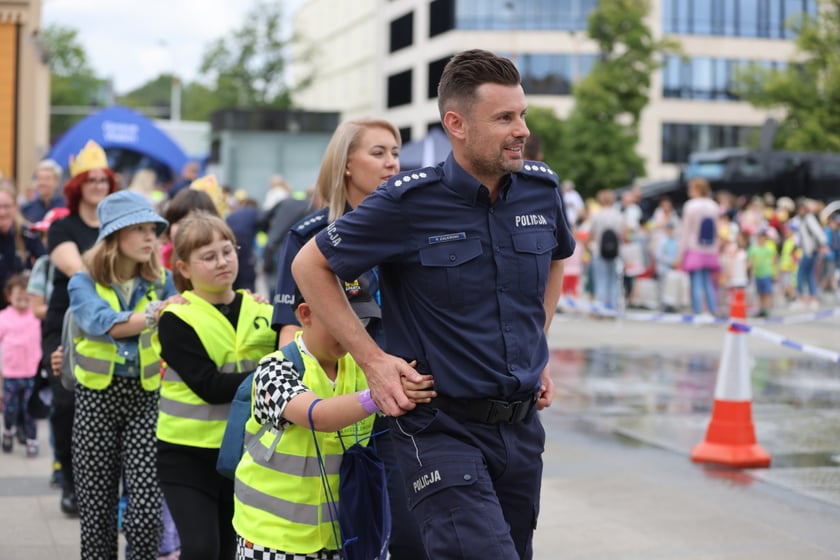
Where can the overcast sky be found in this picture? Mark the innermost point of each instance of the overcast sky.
(133, 41)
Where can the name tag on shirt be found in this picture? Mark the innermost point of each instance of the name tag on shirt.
(447, 237)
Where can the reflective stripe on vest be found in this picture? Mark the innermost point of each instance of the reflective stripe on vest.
(185, 418)
(299, 513)
(280, 501)
(96, 355)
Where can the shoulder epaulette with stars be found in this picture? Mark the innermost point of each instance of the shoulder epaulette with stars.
(311, 225)
(404, 181)
(540, 170)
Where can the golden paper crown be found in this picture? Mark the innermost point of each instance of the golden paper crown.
(92, 156)
(210, 185)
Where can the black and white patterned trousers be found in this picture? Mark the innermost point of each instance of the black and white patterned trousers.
(114, 436)
(249, 551)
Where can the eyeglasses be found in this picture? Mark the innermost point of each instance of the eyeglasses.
(210, 258)
(97, 180)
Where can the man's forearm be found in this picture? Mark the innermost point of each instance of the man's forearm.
(321, 290)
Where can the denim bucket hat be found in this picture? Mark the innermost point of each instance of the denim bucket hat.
(126, 208)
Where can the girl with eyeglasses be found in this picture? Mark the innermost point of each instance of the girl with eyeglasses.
(209, 346)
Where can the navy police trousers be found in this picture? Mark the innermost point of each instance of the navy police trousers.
(473, 487)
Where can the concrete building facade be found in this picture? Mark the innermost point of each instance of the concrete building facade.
(384, 57)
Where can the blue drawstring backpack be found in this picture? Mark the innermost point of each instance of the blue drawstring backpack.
(233, 440)
(363, 510)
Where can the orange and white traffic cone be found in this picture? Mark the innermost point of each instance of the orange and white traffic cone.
(730, 438)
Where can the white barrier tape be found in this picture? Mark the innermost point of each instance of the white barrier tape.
(675, 318)
(570, 304)
(787, 343)
(803, 318)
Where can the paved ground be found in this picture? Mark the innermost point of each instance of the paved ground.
(618, 483)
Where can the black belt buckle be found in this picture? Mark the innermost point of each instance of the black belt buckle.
(509, 412)
(488, 411)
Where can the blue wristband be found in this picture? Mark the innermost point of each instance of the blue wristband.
(367, 402)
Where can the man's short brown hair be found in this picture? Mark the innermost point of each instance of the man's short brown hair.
(468, 70)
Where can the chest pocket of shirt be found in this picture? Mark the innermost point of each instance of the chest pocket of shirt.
(533, 258)
(453, 270)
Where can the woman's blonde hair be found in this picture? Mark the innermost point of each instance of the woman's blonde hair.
(195, 231)
(18, 221)
(332, 182)
(101, 262)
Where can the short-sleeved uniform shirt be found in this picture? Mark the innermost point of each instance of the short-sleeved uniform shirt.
(462, 279)
(299, 234)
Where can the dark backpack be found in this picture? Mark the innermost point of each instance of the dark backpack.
(708, 232)
(365, 513)
(608, 246)
(364, 518)
(233, 440)
(70, 332)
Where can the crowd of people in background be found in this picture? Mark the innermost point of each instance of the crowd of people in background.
(50, 231)
(162, 283)
(783, 253)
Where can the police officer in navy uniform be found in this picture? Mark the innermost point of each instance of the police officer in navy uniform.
(470, 264)
(362, 153)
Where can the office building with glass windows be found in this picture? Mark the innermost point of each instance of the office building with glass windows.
(384, 58)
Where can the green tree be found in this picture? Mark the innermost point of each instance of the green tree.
(153, 97)
(807, 89)
(544, 123)
(73, 82)
(248, 67)
(602, 129)
(198, 102)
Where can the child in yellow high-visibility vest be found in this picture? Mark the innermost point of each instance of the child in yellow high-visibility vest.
(284, 399)
(788, 263)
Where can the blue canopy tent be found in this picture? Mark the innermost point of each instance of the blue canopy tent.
(427, 151)
(122, 128)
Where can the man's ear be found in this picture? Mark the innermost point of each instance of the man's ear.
(454, 123)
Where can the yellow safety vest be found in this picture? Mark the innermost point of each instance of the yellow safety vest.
(184, 418)
(96, 356)
(279, 500)
(788, 258)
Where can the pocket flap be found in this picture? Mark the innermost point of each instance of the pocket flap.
(451, 254)
(535, 242)
(448, 473)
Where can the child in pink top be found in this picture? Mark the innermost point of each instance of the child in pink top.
(20, 339)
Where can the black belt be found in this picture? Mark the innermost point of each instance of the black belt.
(488, 411)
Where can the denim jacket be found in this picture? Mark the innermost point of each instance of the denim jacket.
(96, 317)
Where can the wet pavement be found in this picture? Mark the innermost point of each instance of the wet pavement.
(664, 398)
(644, 392)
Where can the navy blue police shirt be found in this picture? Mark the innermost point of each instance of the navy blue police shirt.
(462, 279)
(298, 235)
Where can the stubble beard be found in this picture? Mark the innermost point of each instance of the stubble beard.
(497, 167)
